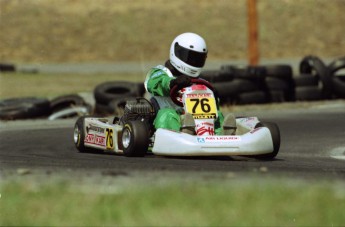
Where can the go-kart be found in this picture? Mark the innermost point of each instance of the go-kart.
(133, 134)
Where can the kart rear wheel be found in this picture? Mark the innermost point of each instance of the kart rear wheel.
(79, 136)
(275, 134)
(135, 138)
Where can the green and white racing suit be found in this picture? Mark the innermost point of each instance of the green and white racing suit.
(157, 83)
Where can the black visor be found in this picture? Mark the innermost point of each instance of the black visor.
(191, 57)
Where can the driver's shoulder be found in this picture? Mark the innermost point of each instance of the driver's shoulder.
(160, 70)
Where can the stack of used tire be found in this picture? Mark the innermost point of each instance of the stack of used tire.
(319, 81)
(111, 96)
(65, 106)
(68, 106)
(252, 84)
(312, 83)
(336, 71)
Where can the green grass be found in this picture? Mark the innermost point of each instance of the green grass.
(48, 85)
(251, 202)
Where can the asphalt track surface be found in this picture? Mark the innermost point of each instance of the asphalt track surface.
(312, 145)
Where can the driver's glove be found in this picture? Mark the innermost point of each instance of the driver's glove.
(181, 82)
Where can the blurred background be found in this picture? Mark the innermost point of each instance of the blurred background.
(88, 46)
(70, 31)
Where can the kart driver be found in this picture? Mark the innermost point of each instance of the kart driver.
(188, 53)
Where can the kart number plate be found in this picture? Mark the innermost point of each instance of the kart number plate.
(202, 107)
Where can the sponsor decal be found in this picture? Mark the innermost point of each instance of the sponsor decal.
(205, 124)
(201, 140)
(201, 95)
(204, 116)
(100, 140)
(205, 130)
(95, 139)
(215, 139)
(90, 138)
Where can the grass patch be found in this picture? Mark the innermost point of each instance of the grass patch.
(41, 31)
(47, 85)
(255, 202)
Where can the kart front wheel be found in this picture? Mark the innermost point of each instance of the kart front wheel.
(275, 134)
(135, 138)
(79, 136)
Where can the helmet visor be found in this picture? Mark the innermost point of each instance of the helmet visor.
(191, 57)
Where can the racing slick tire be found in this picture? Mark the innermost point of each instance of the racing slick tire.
(275, 135)
(135, 138)
(79, 136)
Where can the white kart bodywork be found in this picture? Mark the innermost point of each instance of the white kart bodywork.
(251, 138)
(253, 141)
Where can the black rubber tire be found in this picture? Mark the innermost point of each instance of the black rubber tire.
(79, 128)
(339, 87)
(137, 139)
(284, 86)
(337, 80)
(108, 91)
(114, 107)
(315, 66)
(140, 89)
(5, 67)
(24, 108)
(66, 101)
(275, 134)
(118, 105)
(228, 91)
(215, 76)
(309, 93)
(306, 80)
(277, 96)
(102, 109)
(283, 72)
(245, 72)
(254, 97)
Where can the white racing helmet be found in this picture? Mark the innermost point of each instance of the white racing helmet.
(188, 54)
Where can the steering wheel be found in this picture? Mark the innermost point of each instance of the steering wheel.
(174, 90)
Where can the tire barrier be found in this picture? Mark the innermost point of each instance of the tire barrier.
(66, 101)
(255, 84)
(315, 81)
(315, 66)
(65, 106)
(336, 71)
(69, 106)
(234, 85)
(110, 95)
(24, 108)
(5, 67)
